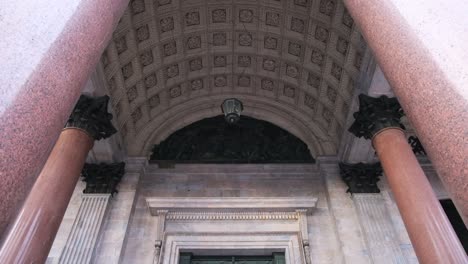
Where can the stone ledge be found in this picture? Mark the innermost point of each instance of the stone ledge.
(230, 204)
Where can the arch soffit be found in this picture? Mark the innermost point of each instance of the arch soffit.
(181, 115)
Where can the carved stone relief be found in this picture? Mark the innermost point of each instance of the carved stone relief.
(272, 19)
(321, 34)
(317, 57)
(289, 91)
(175, 91)
(219, 61)
(132, 94)
(127, 70)
(269, 65)
(167, 24)
(314, 80)
(219, 39)
(294, 48)
(310, 102)
(267, 85)
(244, 61)
(336, 71)
(270, 42)
(146, 58)
(196, 84)
(342, 46)
(172, 71)
(218, 16)
(170, 48)
(142, 33)
(245, 39)
(154, 101)
(194, 42)
(292, 71)
(327, 7)
(192, 18)
(246, 16)
(220, 81)
(297, 25)
(151, 80)
(244, 81)
(195, 64)
(261, 42)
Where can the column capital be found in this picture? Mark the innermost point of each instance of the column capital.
(361, 177)
(416, 145)
(90, 114)
(376, 114)
(102, 178)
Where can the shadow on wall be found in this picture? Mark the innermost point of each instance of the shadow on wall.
(213, 140)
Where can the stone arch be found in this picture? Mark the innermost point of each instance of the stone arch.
(181, 115)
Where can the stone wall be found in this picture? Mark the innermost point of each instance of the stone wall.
(336, 231)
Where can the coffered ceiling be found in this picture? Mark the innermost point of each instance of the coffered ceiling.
(291, 57)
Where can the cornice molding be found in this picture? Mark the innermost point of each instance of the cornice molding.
(230, 207)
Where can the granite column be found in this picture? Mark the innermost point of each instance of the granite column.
(48, 50)
(431, 233)
(420, 46)
(33, 232)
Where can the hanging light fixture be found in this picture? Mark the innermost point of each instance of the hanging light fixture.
(232, 109)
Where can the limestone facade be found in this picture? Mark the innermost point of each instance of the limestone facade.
(244, 209)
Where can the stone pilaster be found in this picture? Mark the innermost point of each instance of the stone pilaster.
(349, 234)
(86, 229)
(430, 232)
(375, 220)
(111, 246)
(101, 183)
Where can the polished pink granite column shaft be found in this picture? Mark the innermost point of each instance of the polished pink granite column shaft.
(431, 233)
(422, 49)
(47, 49)
(34, 230)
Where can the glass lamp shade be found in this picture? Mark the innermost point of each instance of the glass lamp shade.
(232, 109)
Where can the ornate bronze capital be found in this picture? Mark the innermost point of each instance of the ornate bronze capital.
(90, 114)
(416, 145)
(361, 177)
(102, 178)
(376, 114)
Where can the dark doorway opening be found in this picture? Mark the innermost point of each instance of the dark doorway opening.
(189, 258)
(456, 221)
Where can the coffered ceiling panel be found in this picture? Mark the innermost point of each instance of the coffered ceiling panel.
(303, 55)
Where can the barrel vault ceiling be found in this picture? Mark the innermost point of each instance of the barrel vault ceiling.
(301, 54)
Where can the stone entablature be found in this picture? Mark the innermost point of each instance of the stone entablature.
(209, 221)
(230, 204)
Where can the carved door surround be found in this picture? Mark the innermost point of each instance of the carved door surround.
(231, 224)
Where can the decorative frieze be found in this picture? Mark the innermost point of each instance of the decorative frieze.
(90, 114)
(361, 177)
(102, 178)
(231, 205)
(196, 216)
(376, 114)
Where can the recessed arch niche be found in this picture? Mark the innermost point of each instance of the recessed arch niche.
(302, 57)
(249, 140)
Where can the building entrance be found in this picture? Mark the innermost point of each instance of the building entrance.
(189, 258)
